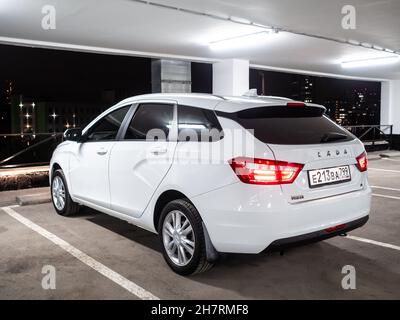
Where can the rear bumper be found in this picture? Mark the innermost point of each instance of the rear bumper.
(242, 218)
(315, 236)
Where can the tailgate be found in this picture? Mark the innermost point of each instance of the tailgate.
(321, 156)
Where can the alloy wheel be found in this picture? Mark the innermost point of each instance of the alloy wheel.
(178, 238)
(58, 191)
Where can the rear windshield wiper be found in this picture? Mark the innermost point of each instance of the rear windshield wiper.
(332, 136)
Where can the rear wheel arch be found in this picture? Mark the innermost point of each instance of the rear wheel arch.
(186, 246)
(170, 195)
(163, 200)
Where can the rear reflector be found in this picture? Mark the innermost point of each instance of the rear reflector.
(362, 162)
(266, 172)
(296, 104)
(336, 228)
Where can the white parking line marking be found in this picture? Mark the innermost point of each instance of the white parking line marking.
(395, 160)
(385, 170)
(385, 188)
(381, 244)
(385, 196)
(83, 257)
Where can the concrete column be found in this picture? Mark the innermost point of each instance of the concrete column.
(231, 77)
(390, 104)
(171, 76)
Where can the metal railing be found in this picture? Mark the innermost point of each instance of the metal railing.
(374, 136)
(28, 149)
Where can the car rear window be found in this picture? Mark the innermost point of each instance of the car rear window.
(202, 122)
(290, 125)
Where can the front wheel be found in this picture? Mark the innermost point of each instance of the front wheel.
(182, 238)
(60, 196)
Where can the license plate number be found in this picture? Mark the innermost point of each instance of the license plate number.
(323, 177)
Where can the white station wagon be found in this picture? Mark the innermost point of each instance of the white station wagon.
(215, 174)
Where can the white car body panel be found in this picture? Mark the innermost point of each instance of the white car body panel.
(314, 157)
(244, 218)
(134, 177)
(88, 173)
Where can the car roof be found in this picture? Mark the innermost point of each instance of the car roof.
(201, 100)
(213, 102)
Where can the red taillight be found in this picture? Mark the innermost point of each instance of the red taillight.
(296, 104)
(261, 171)
(336, 228)
(362, 162)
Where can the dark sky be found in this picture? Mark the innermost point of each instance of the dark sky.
(49, 75)
(63, 75)
(202, 77)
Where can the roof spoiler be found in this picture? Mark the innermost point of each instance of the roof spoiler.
(252, 93)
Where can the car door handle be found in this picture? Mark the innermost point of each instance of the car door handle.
(102, 151)
(158, 150)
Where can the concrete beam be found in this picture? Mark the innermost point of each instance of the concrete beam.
(231, 77)
(390, 104)
(171, 76)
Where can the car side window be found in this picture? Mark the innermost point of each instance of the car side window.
(107, 127)
(197, 124)
(151, 120)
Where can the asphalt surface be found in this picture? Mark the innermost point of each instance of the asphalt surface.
(134, 255)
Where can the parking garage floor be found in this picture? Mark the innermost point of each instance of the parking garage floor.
(99, 257)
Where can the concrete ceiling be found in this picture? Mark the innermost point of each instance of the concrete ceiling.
(154, 30)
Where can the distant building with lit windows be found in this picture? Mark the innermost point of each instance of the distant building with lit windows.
(348, 102)
(6, 92)
(360, 106)
(303, 88)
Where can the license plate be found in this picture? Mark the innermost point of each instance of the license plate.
(323, 177)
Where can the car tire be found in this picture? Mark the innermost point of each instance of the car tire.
(60, 196)
(189, 216)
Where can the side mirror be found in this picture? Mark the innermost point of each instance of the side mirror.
(73, 135)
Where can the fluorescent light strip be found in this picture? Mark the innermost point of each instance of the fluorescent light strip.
(243, 41)
(315, 73)
(370, 62)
